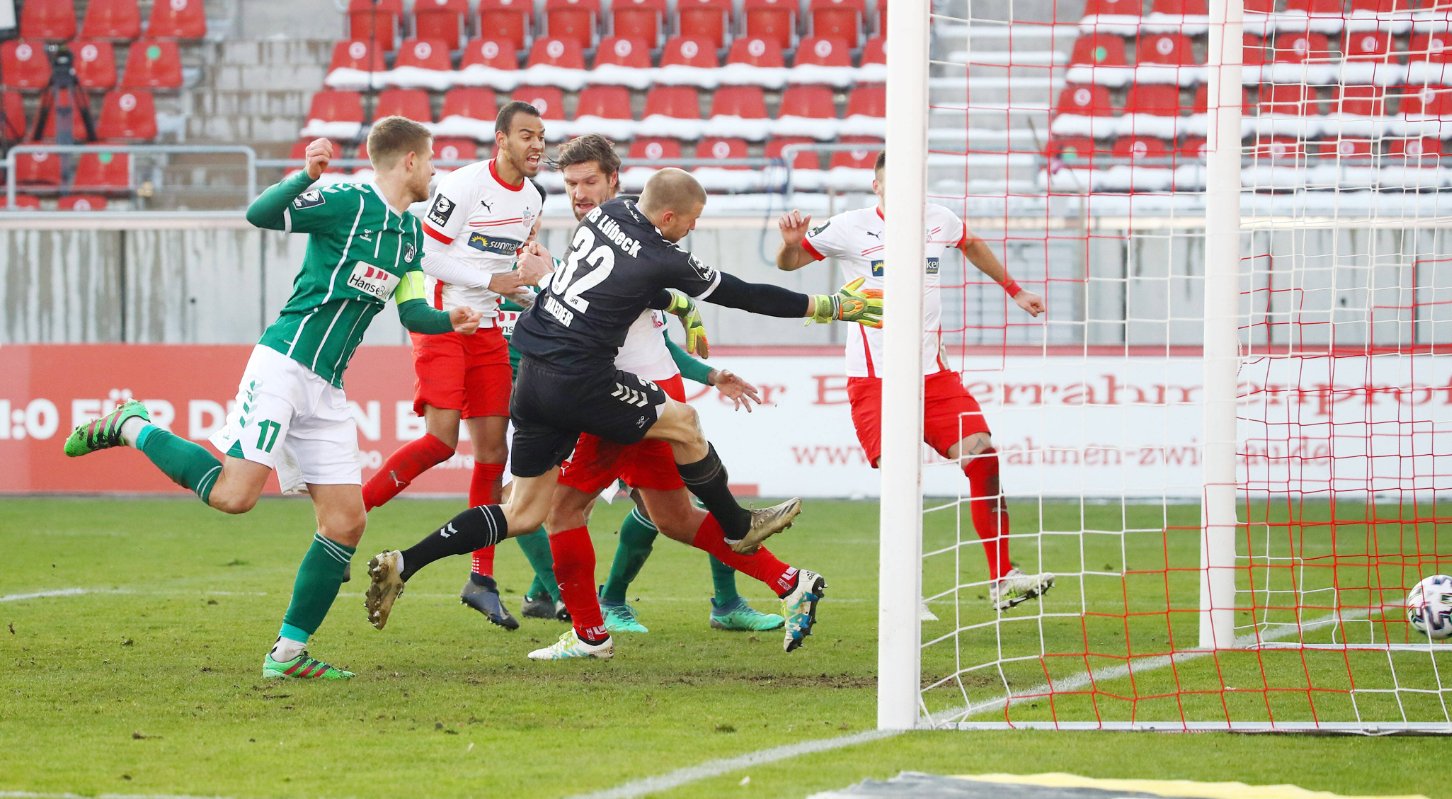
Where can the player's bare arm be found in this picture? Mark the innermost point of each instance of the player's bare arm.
(792, 255)
(979, 254)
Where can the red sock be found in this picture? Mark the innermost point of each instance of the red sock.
(406, 463)
(761, 564)
(484, 490)
(990, 511)
(574, 556)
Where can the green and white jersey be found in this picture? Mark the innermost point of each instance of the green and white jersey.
(358, 252)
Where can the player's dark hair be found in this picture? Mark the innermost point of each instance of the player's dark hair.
(881, 161)
(505, 120)
(394, 137)
(587, 148)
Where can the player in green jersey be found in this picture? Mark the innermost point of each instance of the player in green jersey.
(364, 249)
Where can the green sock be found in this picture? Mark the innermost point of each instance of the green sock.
(536, 547)
(186, 463)
(319, 577)
(723, 577)
(637, 536)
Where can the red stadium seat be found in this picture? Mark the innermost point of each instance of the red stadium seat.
(1368, 46)
(869, 100)
(1181, 8)
(1293, 99)
(95, 64)
(1426, 151)
(37, 169)
(52, 20)
(23, 202)
(875, 51)
(641, 20)
(153, 64)
(13, 122)
(336, 105)
(1113, 8)
(182, 19)
(813, 102)
(547, 100)
(1135, 148)
(378, 22)
(1165, 48)
(1202, 101)
(838, 19)
(684, 51)
(720, 148)
(107, 172)
(455, 149)
(356, 54)
(1426, 101)
(824, 53)
(556, 52)
(1345, 148)
(1098, 50)
(679, 102)
(747, 102)
(24, 65)
(1260, 6)
(1333, 8)
(1085, 101)
(756, 52)
(801, 159)
(411, 103)
(1299, 48)
(360, 153)
(660, 151)
(81, 202)
(862, 157)
(1283, 149)
(506, 20)
(704, 19)
(441, 20)
(607, 102)
(881, 32)
(492, 53)
(111, 19)
(621, 52)
(298, 153)
(1367, 101)
(1195, 147)
(775, 20)
(470, 102)
(572, 21)
(1253, 54)
(1154, 99)
(127, 114)
(424, 54)
(1433, 47)
(1385, 7)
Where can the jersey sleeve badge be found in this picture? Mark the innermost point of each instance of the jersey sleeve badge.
(702, 271)
(442, 209)
(309, 199)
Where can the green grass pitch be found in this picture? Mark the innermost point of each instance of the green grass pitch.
(148, 682)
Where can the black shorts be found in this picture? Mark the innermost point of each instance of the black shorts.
(552, 407)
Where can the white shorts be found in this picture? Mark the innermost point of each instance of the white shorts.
(289, 419)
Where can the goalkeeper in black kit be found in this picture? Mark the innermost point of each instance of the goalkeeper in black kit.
(623, 258)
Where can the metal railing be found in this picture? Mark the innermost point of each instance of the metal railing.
(249, 158)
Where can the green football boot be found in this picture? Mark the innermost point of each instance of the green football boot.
(737, 616)
(301, 667)
(621, 619)
(105, 432)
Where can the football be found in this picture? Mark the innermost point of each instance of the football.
(1429, 607)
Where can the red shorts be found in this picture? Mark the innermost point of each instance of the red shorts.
(649, 463)
(469, 374)
(950, 414)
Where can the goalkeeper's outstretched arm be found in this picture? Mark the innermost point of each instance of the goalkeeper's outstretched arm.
(848, 305)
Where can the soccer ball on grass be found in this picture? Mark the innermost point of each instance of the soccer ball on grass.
(1429, 607)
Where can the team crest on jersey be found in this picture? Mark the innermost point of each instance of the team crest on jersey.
(494, 244)
(309, 199)
(409, 251)
(442, 209)
(877, 269)
(373, 280)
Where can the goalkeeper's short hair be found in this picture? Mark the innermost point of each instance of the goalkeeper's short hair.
(394, 137)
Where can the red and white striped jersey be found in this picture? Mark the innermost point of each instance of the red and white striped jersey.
(854, 238)
(480, 220)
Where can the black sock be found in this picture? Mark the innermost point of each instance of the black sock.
(475, 528)
(706, 478)
(474, 577)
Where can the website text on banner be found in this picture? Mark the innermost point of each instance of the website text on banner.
(1066, 427)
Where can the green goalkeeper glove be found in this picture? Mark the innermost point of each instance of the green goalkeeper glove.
(685, 308)
(850, 304)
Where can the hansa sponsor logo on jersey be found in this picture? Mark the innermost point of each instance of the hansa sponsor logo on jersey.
(442, 209)
(494, 244)
(373, 280)
(309, 199)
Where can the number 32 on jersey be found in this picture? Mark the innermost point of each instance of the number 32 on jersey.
(600, 262)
